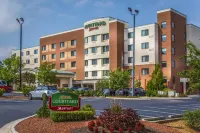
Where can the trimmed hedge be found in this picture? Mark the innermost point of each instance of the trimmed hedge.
(1, 91)
(71, 116)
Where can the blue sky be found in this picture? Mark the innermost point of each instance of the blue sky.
(44, 17)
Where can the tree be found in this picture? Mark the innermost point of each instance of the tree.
(45, 74)
(193, 62)
(137, 83)
(28, 78)
(119, 79)
(102, 83)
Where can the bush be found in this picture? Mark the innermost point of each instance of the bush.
(192, 119)
(43, 112)
(151, 93)
(1, 91)
(182, 95)
(86, 93)
(76, 92)
(71, 116)
(26, 90)
(88, 107)
(68, 90)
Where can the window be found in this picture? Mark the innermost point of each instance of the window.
(44, 48)
(165, 79)
(145, 45)
(173, 24)
(106, 61)
(105, 36)
(62, 44)
(62, 65)
(43, 57)
(164, 64)
(173, 37)
(130, 59)
(27, 52)
(62, 55)
(106, 72)
(145, 58)
(53, 66)
(173, 63)
(105, 48)
(145, 32)
(94, 38)
(163, 25)
(145, 71)
(164, 38)
(86, 51)
(86, 62)
(53, 46)
(130, 47)
(27, 61)
(73, 64)
(86, 39)
(94, 61)
(94, 49)
(53, 56)
(164, 50)
(173, 50)
(86, 74)
(94, 73)
(36, 51)
(130, 35)
(73, 53)
(73, 42)
(36, 60)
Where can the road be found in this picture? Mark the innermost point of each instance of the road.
(11, 110)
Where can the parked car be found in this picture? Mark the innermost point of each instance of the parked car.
(74, 88)
(42, 90)
(83, 89)
(4, 85)
(122, 92)
(137, 92)
(108, 92)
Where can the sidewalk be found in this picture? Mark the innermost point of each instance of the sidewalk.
(151, 98)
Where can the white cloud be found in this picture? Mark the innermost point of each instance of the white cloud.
(81, 2)
(103, 3)
(5, 51)
(9, 11)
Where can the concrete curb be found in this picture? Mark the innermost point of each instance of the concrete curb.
(10, 127)
(167, 120)
(175, 116)
(154, 118)
(127, 98)
(151, 98)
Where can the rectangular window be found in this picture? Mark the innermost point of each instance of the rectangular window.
(173, 50)
(105, 37)
(62, 55)
(73, 64)
(145, 32)
(106, 72)
(163, 25)
(145, 45)
(106, 61)
(173, 63)
(73, 42)
(94, 61)
(173, 37)
(145, 58)
(130, 47)
(164, 50)
(53, 66)
(62, 65)
(86, 74)
(36, 60)
(145, 71)
(53, 56)
(73, 53)
(86, 39)
(164, 37)
(94, 37)
(164, 64)
(86, 51)
(36, 51)
(94, 49)
(105, 48)
(27, 52)
(94, 73)
(53, 46)
(43, 57)
(86, 62)
(44, 48)
(130, 59)
(27, 61)
(130, 35)
(173, 24)
(62, 44)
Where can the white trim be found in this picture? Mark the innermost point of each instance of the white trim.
(170, 9)
(117, 20)
(62, 32)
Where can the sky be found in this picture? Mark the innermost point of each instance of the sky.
(43, 17)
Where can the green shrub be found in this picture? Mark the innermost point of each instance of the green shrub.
(151, 93)
(68, 90)
(27, 89)
(71, 116)
(82, 92)
(76, 92)
(88, 107)
(192, 119)
(182, 95)
(43, 112)
(91, 93)
(1, 91)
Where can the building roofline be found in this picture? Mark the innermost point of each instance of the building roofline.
(194, 25)
(173, 10)
(25, 48)
(143, 25)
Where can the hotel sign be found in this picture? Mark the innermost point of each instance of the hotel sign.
(64, 102)
(95, 25)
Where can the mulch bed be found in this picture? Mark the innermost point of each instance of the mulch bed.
(13, 98)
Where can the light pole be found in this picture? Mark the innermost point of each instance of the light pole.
(133, 73)
(20, 21)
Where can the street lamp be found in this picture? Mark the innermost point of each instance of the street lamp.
(133, 73)
(20, 21)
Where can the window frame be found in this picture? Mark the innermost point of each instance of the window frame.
(27, 52)
(62, 46)
(62, 53)
(86, 51)
(73, 64)
(143, 70)
(86, 75)
(86, 64)
(35, 50)
(163, 25)
(145, 59)
(173, 64)
(105, 49)
(73, 51)
(44, 48)
(130, 59)
(173, 51)
(94, 75)
(52, 46)
(94, 38)
(106, 61)
(62, 64)
(35, 60)
(92, 50)
(93, 62)
(28, 61)
(163, 62)
(73, 42)
(164, 51)
(44, 57)
(130, 46)
(162, 39)
(145, 44)
(145, 32)
(130, 35)
(105, 37)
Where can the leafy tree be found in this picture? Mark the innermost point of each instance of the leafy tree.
(102, 83)
(137, 83)
(193, 62)
(45, 74)
(119, 79)
(28, 78)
